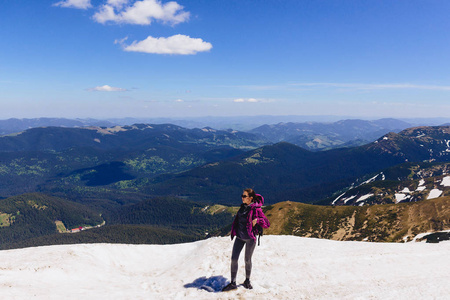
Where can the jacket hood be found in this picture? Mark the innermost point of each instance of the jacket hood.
(259, 201)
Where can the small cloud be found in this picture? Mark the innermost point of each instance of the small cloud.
(80, 4)
(106, 88)
(121, 41)
(179, 100)
(176, 44)
(250, 100)
(141, 12)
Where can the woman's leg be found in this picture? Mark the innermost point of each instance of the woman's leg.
(237, 248)
(249, 248)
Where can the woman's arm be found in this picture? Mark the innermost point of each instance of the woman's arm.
(261, 219)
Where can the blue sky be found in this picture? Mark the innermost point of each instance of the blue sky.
(149, 58)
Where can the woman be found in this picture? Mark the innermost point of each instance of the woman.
(249, 215)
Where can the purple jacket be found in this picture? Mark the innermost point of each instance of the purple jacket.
(255, 213)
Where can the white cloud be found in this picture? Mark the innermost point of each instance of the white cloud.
(177, 44)
(80, 4)
(106, 13)
(144, 12)
(106, 88)
(141, 12)
(121, 41)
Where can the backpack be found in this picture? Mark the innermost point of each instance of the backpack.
(258, 229)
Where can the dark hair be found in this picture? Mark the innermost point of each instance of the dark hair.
(251, 193)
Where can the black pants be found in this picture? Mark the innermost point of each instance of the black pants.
(237, 248)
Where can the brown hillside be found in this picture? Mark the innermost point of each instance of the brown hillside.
(380, 223)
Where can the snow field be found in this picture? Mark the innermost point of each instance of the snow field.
(284, 267)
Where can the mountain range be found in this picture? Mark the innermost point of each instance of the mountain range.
(241, 123)
(39, 156)
(314, 135)
(322, 136)
(287, 172)
(137, 176)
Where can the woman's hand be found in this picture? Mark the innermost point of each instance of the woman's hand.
(254, 222)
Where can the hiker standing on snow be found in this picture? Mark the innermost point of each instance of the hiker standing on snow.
(244, 227)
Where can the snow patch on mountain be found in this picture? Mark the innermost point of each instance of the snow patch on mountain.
(348, 199)
(339, 197)
(405, 194)
(363, 198)
(434, 193)
(400, 197)
(446, 181)
(373, 179)
(406, 190)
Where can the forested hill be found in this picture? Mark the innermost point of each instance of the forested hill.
(69, 157)
(33, 215)
(37, 219)
(126, 138)
(287, 172)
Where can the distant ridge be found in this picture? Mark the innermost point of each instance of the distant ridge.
(242, 123)
(14, 125)
(321, 136)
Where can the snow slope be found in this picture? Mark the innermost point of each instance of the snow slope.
(284, 267)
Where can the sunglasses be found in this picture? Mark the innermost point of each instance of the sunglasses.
(245, 196)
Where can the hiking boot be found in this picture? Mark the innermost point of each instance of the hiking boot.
(229, 287)
(247, 284)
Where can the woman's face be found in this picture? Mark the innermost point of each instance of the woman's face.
(246, 198)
